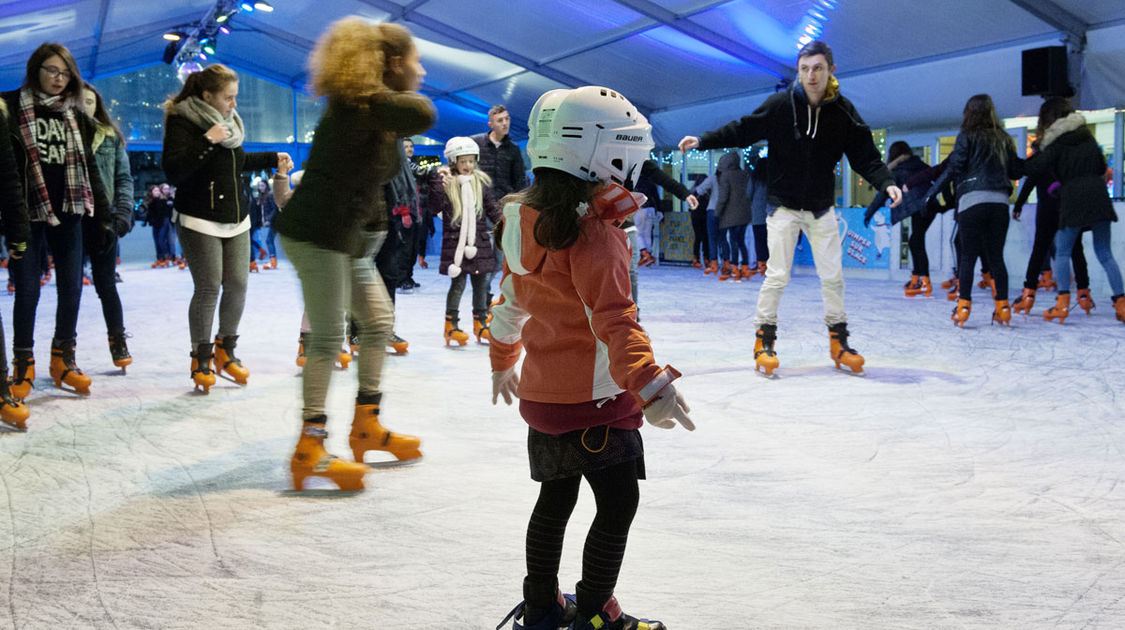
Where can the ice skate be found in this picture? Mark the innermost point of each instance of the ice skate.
(23, 373)
(1119, 307)
(559, 615)
(987, 282)
(453, 333)
(119, 350)
(695, 264)
(398, 344)
(262, 253)
(369, 435)
(1003, 313)
(724, 275)
(344, 358)
(918, 285)
(954, 293)
(950, 283)
(1085, 301)
(1047, 281)
(301, 358)
(253, 266)
(64, 370)
(1025, 301)
(273, 262)
(840, 351)
(225, 361)
(764, 356)
(1060, 310)
(762, 266)
(353, 343)
(712, 267)
(310, 459)
(735, 273)
(480, 328)
(961, 312)
(747, 271)
(201, 374)
(13, 413)
(612, 618)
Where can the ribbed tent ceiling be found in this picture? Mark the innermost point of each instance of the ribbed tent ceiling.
(688, 65)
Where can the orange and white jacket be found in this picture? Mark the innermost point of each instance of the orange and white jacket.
(574, 311)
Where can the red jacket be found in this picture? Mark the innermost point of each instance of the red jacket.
(574, 312)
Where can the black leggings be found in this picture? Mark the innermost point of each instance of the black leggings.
(699, 229)
(616, 494)
(919, 223)
(1046, 225)
(457, 287)
(983, 229)
(761, 245)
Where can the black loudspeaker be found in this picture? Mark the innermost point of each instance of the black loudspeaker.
(1044, 72)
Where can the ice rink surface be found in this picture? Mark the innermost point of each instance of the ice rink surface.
(971, 480)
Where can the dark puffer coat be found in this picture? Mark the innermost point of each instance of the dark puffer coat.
(485, 260)
(1070, 152)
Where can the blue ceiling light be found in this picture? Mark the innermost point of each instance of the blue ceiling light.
(812, 25)
(248, 7)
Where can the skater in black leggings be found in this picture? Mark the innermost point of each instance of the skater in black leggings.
(1046, 226)
(982, 165)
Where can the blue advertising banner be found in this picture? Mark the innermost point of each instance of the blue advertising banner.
(863, 247)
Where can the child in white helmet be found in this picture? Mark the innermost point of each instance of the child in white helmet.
(589, 375)
(466, 205)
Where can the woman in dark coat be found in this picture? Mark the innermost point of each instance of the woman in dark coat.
(203, 158)
(51, 138)
(1069, 151)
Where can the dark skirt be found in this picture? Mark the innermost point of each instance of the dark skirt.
(575, 453)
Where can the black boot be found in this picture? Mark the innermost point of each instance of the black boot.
(119, 350)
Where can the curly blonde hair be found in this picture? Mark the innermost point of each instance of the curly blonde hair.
(349, 58)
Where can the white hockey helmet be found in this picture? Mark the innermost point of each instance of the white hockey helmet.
(591, 132)
(460, 145)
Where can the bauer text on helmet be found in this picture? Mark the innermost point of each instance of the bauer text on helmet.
(593, 133)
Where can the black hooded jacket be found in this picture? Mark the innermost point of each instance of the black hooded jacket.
(805, 145)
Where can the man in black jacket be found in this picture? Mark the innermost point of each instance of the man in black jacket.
(808, 127)
(503, 161)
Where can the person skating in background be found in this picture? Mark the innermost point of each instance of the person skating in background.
(66, 203)
(502, 160)
(395, 259)
(1039, 274)
(651, 178)
(113, 167)
(1070, 153)
(158, 211)
(982, 165)
(263, 209)
(733, 213)
(758, 192)
(203, 157)
(700, 239)
(16, 230)
(464, 200)
(589, 377)
(335, 222)
(809, 127)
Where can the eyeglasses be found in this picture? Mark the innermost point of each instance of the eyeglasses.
(54, 72)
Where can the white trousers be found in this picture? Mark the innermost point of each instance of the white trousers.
(784, 227)
(645, 220)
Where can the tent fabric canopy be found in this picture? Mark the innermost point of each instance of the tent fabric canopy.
(689, 65)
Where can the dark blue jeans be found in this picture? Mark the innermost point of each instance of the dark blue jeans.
(717, 248)
(65, 240)
(103, 267)
(161, 233)
(739, 254)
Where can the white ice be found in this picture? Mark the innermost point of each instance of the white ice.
(971, 480)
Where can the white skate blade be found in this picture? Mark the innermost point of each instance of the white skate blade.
(849, 372)
(393, 463)
(8, 427)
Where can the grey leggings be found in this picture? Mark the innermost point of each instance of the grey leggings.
(457, 288)
(337, 286)
(215, 262)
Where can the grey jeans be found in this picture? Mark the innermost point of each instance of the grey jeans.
(336, 286)
(215, 263)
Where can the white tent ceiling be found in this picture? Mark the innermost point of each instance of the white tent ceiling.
(689, 64)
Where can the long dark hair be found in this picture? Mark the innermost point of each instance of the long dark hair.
(101, 114)
(980, 122)
(1051, 110)
(73, 90)
(556, 195)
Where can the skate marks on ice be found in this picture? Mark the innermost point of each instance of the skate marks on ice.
(973, 480)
